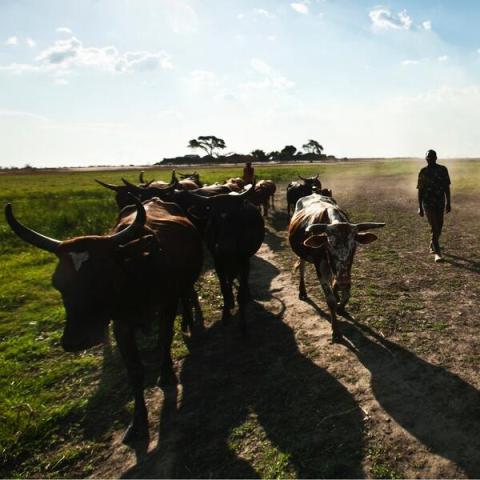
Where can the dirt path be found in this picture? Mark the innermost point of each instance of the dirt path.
(287, 402)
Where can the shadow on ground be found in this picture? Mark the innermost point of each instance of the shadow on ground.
(248, 404)
(432, 404)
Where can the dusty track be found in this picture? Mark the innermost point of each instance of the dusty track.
(398, 397)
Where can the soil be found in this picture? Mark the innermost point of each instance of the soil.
(398, 397)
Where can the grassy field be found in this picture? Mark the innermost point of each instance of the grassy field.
(60, 413)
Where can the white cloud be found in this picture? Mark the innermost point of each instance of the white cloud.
(442, 58)
(11, 41)
(64, 55)
(256, 14)
(30, 42)
(66, 30)
(382, 18)
(271, 78)
(410, 62)
(300, 8)
(427, 25)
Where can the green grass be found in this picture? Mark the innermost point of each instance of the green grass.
(56, 409)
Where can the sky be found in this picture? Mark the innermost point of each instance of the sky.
(105, 82)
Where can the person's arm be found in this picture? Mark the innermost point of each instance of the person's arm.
(448, 206)
(420, 195)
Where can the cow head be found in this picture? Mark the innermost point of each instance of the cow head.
(89, 276)
(340, 240)
(311, 182)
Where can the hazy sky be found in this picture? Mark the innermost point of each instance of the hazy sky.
(131, 81)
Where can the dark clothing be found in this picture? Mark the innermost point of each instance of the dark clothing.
(433, 182)
(248, 173)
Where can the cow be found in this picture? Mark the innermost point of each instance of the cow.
(233, 230)
(193, 177)
(263, 194)
(235, 184)
(321, 233)
(134, 276)
(122, 192)
(297, 190)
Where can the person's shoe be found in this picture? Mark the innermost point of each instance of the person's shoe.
(438, 258)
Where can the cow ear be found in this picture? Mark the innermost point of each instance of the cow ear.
(316, 241)
(365, 238)
(139, 247)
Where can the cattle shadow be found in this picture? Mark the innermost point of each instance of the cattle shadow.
(462, 262)
(263, 394)
(432, 404)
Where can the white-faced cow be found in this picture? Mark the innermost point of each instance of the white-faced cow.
(321, 233)
(133, 276)
(297, 190)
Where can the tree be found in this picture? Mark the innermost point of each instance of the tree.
(259, 155)
(312, 146)
(288, 151)
(208, 143)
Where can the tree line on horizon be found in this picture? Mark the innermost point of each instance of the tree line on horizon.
(311, 151)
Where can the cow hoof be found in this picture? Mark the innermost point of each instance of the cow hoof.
(136, 433)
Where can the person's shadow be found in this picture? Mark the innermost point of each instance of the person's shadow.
(462, 262)
(434, 405)
(257, 398)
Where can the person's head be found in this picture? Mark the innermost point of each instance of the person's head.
(431, 157)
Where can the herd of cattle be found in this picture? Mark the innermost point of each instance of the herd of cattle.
(149, 263)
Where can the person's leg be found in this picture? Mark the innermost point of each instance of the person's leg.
(432, 217)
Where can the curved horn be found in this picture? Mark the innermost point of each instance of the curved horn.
(115, 188)
(131, 232)
(173, 179)
(132, 187)
(140, 177)
(301, 178)
(361, 227)
(317, 228)
(28, 235)
(316, 178)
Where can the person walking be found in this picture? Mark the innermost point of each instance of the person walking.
(434, 198)
(248, 173)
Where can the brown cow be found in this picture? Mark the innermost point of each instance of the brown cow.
(321, 233)
(263, 193)
(133, 276)
(235, 184)
(297, 190)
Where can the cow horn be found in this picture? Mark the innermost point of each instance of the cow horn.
(361, 227)
(140, 177)
(301, 178)
(317, 228)
(115, 188)
(131, 232)
(131, 186)
(28, 235)
(316, 178)
(173, 179)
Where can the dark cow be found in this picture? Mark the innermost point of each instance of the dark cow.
(297, 190)
(133, 276)
(122, 192)
(321, 233)
(233, 230)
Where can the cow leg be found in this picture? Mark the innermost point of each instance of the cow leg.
(302, 291)
(273, 201)
(187, 318)
(125, 337)
(227, 293)
(165, 338)
(323, 276)
(343, 300)
(265, 209)
(243, 293)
